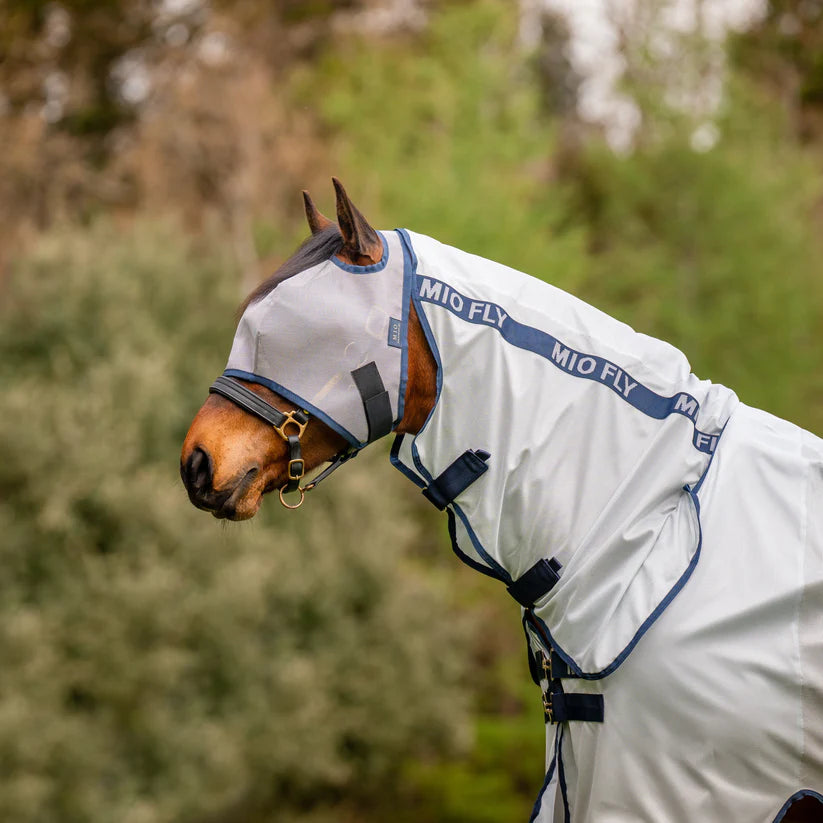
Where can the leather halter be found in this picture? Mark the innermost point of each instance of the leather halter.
(298, 419)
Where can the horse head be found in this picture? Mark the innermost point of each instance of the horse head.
(248, 438)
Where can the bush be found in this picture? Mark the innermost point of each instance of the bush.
(155, 666)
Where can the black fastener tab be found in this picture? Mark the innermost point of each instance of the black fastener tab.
(376, 402)
(540, 579)
(457, 477)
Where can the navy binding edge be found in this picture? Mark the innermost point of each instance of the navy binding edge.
(644, 626)
(375, 267)
(538, 803)
(794, 798)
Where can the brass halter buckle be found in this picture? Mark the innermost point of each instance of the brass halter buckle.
(296, 466)
(291, 419)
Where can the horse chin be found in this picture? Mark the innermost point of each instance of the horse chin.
(244, 501)
(245, 509)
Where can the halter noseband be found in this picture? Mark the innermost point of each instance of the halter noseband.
(247, 400)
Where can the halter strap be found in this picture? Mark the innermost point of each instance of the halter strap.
(234, 390)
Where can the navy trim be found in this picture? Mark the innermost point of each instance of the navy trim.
(696, 488)
(289, 395)
(471, 562)
(536, 582)
(365, 269)
(598, 369)
(456, 478)
(495, 570)
(394, 459)
(794, 798)
(530, 335)
(561, 778)
(494, 567)
(409, 268)
(549, 774)
(644, 627)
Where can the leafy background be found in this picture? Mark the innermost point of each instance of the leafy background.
(334, 664)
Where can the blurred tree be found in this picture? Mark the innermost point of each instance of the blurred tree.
(176, 106)
(784, 51)
(157, 668)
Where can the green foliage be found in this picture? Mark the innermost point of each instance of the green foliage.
(717, 254)
(155, 666)
(307, 667)
(447, 136)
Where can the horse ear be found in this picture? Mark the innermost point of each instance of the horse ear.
(360, 241)
(317, 221)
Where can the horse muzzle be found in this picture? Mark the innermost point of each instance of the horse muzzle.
(197, 474)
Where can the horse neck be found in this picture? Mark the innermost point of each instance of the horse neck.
(421, 385)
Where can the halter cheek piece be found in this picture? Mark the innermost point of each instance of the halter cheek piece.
(289, 425)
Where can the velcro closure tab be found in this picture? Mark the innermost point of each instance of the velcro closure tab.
(540, 579)
(376, 401)
(563, 707)
(456, 478)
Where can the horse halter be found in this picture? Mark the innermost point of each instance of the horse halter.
(298, 419)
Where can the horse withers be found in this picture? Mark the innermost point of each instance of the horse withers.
(663, 540)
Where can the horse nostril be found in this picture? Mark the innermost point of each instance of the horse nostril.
(199, 470)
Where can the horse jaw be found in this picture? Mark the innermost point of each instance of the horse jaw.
(231, 459)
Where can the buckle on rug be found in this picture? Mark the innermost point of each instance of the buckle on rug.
(548, 708)
(546, 665)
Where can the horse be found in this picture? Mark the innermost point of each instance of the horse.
(664, 541)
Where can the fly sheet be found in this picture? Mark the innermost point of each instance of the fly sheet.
(664, 540)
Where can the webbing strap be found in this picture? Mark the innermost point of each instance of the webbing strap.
(534, 583)
(561, 707)
(338, 460)
(376, 402)
(457, 477)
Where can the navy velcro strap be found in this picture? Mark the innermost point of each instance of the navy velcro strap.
(584, 707)
(559, 667)
(537, 581)
(376, 402)
(456, 478)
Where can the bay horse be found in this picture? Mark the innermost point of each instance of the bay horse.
(663, 540)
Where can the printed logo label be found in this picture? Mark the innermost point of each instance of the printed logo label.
(575, 363)
(395, 338)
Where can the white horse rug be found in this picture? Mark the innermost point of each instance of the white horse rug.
(664, 540)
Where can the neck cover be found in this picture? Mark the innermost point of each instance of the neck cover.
(306, 337)
(687, 529)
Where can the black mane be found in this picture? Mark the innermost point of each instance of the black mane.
(313, 250)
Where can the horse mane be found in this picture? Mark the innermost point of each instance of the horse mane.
(313, 250)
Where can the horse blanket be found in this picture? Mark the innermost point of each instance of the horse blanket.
(664, 540)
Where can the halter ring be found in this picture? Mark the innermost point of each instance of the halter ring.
(283, 499)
